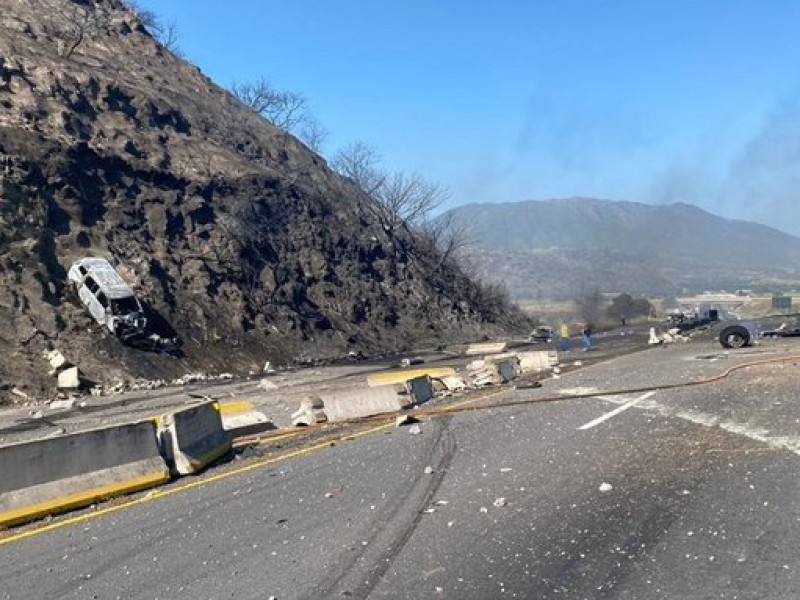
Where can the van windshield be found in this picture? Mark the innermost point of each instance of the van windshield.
(124, 306)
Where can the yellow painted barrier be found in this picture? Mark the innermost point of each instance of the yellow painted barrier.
(53, 475)
(391, 377)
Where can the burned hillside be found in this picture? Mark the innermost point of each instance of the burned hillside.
(235, 236)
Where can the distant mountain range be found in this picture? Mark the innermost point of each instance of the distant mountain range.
(554, 249)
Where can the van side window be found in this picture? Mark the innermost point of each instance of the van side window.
(91, 284)
(101, 298)
(82, 270)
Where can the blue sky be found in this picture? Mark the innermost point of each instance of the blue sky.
(651, 101)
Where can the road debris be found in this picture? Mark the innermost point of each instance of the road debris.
(405, 420)
(605, 487)
(428, 470)
(415, 430)
(499, 502)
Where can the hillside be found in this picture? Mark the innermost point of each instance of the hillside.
(550, 249)
(238, 238)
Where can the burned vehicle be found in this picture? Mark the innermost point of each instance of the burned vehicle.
(107, 297)
(541, 334)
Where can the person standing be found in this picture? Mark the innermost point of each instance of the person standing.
(564, 335)
(587, 337)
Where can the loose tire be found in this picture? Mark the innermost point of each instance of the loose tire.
(734, 336)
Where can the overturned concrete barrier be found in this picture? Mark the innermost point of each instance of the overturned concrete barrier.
(343, 405)
(192, 438)
(486, 348)
(241, 418)
(391, 377)
(53, 475)
(537, 360)
(420, 389)
(451, 383)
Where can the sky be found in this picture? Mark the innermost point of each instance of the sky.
(653, 101)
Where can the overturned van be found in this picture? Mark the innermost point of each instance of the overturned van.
(107, 297)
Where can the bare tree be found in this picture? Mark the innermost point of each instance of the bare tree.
(359, 162)
(72, 24)
(285, 110)
(409, 198)
(450, 235)
(399, 198)
(313, 133)
(165, 34)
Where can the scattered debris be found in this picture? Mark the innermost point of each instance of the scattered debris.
(405, 420)
(452, 383)
(266, 384)
(57, 361)
(668, 337)
(415, 430)
(62, 404)
(69, 379)
(268, 368)
(499, 502)
(20, 393)
(428, 470)
(606, 487)
(407, 362)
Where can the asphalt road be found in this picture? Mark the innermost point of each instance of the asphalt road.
(681, 494)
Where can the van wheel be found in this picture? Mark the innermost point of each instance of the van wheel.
(734, 336)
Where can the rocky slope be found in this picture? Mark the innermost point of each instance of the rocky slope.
(552, 249)
(235, 235)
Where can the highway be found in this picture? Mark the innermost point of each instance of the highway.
(683, 493)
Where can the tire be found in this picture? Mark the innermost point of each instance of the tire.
(734, 336)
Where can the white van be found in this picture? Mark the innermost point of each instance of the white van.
(107, 297)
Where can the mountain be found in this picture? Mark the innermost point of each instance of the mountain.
(553, 248)
(238, 238)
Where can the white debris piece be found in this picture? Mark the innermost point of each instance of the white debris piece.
(268, 368)
(428, 470)
(69, 379)
(63, 404)
(20, 393)
(56, 359)
(606, 487)
(499, 502)
(415, 430)
(266, 384)
(404, 420)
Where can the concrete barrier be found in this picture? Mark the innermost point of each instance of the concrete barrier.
(391, 377)
(241, 418)
(53, 475)
(342, 405)
(420, 389)
(486, 348)
(192, 438)
(537, 360)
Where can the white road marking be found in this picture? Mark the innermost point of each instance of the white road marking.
(616, 411)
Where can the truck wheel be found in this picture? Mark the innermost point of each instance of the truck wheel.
(734, 336)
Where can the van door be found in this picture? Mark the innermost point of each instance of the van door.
(87, 293)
